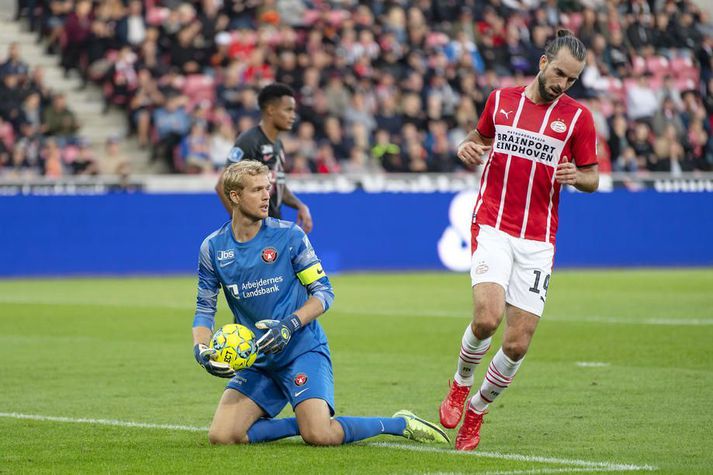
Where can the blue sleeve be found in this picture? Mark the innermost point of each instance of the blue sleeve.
(304, 258)
(208, 288)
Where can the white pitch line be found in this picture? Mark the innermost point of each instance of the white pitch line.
(593, 466)
(550, 470)
(103, 422)
(591, 364)
(520, 458)
(465, 315)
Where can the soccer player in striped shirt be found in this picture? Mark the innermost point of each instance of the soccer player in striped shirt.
(275, 285)
(537, 139)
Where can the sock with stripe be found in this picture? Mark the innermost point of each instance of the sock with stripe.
(472, 351)
(265, 430)
(498, 377)
(359, 428)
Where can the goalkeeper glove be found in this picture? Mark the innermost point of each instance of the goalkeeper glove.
(278, 333)
(203, 356)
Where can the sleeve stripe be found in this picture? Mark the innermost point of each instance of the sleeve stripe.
(311, 274)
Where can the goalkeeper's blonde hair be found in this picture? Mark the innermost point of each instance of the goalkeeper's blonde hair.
(234, 175)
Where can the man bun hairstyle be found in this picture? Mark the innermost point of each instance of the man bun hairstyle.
(273, 92)
(566, 39)
(234, 175)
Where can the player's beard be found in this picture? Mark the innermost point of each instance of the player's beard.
(545, 94)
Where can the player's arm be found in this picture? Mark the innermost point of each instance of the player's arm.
(584, 178)
(310, 273)
(204, 317)
(472, 149)
(304, 217)
(583, 171)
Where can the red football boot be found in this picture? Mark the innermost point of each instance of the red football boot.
(452, 406)
(469, 433)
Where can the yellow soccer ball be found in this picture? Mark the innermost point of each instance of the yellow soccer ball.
(235, 345)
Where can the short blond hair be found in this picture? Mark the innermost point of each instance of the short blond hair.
(234, 175)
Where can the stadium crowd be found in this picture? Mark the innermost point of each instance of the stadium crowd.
(381, 86)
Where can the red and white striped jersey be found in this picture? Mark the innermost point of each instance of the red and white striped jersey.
(518, 193)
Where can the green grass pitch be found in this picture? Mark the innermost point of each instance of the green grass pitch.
(619, 377)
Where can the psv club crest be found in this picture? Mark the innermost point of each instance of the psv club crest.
(269, 255)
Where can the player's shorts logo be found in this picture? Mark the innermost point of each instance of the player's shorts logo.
(482, 268)
(300, 379)
(558, 126)
(269, 255)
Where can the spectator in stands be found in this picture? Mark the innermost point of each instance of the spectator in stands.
(642, 144)
(221, 142)
(194, 150)
(114, 162)
(51, 159)
(699, 153)
(14, 64)
(77, 31)
(124, 79)
(131, 29)
(37, 84)
(619, 146)
(670, 154)
(84, 163)
(11, 101)
(381, 65)
(665, 116)
(341, 144)
(641, 99)
(32, 111)
(172, 122)
(146, 98)
(60, 121)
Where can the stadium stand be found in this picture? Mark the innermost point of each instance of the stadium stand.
(382, 86)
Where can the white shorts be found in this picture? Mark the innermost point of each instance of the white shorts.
(521, 266)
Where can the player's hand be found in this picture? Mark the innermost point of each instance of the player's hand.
(203, 356)
(566, 172)
(278, 334)
(304, 218)
(471, 153)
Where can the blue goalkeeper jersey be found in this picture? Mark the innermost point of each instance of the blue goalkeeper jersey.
(269, 277)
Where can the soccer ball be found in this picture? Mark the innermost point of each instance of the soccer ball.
(235, 345)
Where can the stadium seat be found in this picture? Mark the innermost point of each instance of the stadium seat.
(658, 65)
(155, 16)
(684, 68)
(198, 88)
(638, 65)
(572, 21)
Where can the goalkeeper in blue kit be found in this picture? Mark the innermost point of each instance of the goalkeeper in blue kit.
(275, 285)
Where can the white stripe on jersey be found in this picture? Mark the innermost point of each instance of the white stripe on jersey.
(533, 167)
(484, 178)
(507, 165)
(552, 188)
(497, 105)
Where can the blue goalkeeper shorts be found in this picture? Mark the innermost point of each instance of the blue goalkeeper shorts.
(308, 376)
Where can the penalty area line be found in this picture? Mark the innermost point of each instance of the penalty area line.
(583, 464)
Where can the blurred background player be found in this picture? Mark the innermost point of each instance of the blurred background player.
(268, 267)
(278, 113)
(539, 139)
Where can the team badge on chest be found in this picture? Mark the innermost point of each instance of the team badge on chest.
(558, 126)
(269, 255)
